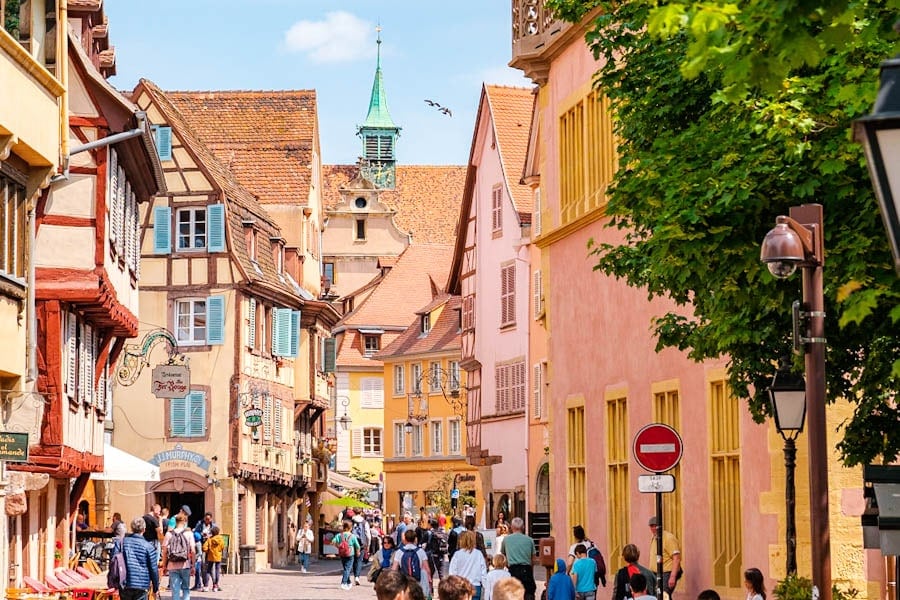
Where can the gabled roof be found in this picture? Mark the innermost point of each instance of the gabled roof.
(240, 204)
(426, 198)
(419, 275)
(265, 138)
(506, 112)
(511, 110)
(444, 335)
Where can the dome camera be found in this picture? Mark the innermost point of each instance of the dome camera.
(782, 269)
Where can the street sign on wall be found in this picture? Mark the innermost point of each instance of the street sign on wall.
(657, 447)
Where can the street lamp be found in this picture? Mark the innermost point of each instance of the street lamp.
(788, 396)
(798, 241)
(344, 420)
(879, 133)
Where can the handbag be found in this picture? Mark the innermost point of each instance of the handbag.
(374, 572)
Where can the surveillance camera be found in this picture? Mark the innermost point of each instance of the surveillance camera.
(782, 269)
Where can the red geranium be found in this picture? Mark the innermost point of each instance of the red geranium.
(59, 544)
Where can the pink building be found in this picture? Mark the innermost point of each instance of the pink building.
(491, 257)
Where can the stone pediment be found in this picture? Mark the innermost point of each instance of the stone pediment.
(358, 183)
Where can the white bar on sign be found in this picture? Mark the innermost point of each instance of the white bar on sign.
(657, 448)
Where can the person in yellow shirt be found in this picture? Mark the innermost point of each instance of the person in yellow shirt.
(671, 555)
(213, 548)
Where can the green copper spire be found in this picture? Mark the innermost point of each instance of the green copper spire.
(378, 110)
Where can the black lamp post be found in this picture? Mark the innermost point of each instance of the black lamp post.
(798, 241)
(879, 133)
(788, 396)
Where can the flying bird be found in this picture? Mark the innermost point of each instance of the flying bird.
(432, 103)
(446, 111)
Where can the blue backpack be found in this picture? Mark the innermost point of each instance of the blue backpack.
(409, 563)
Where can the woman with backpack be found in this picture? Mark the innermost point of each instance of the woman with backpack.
(178, 558)
(348, 547)
(382, 559)
(621, 586)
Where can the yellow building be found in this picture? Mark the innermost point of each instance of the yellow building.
(424, 415)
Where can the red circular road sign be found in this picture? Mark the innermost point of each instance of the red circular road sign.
(657, 447)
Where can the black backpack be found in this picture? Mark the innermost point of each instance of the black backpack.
(439, 544)
(410, 564)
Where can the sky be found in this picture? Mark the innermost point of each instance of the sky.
(432, 50)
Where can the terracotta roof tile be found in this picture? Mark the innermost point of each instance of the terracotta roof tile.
(511, 110)
(352, 354)
(426, 198)
(444, 335)
(266, 138)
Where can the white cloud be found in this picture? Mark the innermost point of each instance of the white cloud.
(340, 37)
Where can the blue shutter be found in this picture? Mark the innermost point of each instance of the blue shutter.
(215, 320)
(196, 417)
(294, 334)
(330, 355)
(281, 340)
(178, 417)
(215, 220)
(162, 230)
(251, 334)
(164, 142)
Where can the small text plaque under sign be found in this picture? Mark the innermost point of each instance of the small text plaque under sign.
(13, 446)
(656, 484)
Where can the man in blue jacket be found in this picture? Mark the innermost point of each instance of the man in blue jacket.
(141, 563)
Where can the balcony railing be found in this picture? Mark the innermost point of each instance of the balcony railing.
(534, 31)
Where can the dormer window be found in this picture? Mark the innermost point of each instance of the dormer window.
(426, 323)
(372, 344)
(252, 241)
(278, 253)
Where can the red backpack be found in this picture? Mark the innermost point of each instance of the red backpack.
(344, 549)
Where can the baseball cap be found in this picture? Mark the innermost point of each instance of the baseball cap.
(653, 521)
(186, 509)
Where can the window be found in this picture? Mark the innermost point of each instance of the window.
(122, 215)
(538, 295)
(618, 450)
(285, 332)
(576, 480)
(434, 377)
(81, 350)
(360, 230)
(360, 203)
(416, 440)
(587, 155)
(328, 272)
(12, 218)
(508, 295)
(191, 229)
(399, 380)
(468, 313)
(200, 320)
(510, 387)
(416, 378)
(725, 474)
(369, 442)
(371, 393)
(454, 435)
(453, 367)
(537, 383)
(425, 323)
(437, 437)
(187, 416)
(536, 218)
(497, 208)
(399, 439)
(372, 344)
(666, 410)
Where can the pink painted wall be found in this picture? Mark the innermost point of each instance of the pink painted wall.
(600, 339)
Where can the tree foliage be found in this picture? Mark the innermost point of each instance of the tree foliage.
(725, 118)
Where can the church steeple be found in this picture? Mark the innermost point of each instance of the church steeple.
(379, 134)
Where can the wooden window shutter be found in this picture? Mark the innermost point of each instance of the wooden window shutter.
(251, 331)
(538, 298)
(215, 220)
(164, 142)
(162, 230)
(356, 446)
(178, 417)
(294, 334)
(196, 416)
(119, 210)
(71, 356)
(278, 410)
(89, 367)
(82, 362)
(125, 240)
(536, 386)
(113, 171)
(518, 386)
(497, 208)
(267, 417)
(330, 358)
(215, 320)
(281, 331)
(511, 289)
(536, 219)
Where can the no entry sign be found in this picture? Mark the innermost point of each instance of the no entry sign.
(657, 447)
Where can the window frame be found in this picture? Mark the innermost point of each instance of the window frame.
(399, 380)
(454, 436)
(195, 390)
(508, 294)
(369, 442)
(375, 345)
(436, 437)
(176, 312)
(13, 192)
(359, 230)
(399, 439)
(194, 211)
(497, 208)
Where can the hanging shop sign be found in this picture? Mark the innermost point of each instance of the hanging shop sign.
(253, 417)
(13, 446)
(171, 381)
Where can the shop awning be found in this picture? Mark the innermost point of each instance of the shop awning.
(118, 465)
(342, 482)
